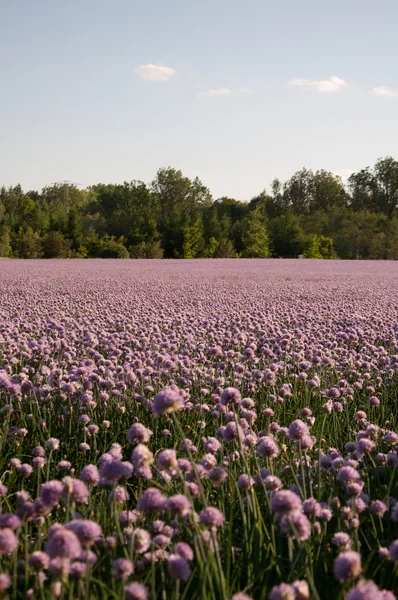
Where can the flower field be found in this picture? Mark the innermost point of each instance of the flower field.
(199, 430)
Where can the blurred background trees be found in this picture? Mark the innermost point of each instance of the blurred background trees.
(311, 214)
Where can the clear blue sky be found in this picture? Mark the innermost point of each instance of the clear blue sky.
(239, 91)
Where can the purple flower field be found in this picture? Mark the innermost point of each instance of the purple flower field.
(209, 429)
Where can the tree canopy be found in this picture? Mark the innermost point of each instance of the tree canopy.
(313, 213)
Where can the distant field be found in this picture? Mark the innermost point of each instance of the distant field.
(199, 429)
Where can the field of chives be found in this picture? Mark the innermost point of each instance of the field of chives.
(208, 429)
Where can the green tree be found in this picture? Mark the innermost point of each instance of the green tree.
(54, 245)
(5, 242)
(287, 238)
(178, 197)
(110, 247)
(254, 236)
(28, 244)
(193, 239)
(313, 250)
(224, 249)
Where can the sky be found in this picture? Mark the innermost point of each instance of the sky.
(236, 92)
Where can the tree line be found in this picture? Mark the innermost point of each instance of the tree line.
(313, 214)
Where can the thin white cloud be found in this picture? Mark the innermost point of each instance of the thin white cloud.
(152, 72)
(226, 92)
(382, 90)
(344, 174)
(217, 92)
(323, 86)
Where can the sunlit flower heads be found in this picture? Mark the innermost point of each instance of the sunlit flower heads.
(152, 500)
(296, 525)
(341, 540)
(5, 581)
(90, 474)
(136, 591)
(230, 396)
(8, 541)
(10, 520)
(284, 502)
(86, 531)
(76, 490)
(39, 560)
(298, 430)
(184, 550)
(366, 590)
(211, 517)
(122, 568)
(52, 444)
(167, 401)
(178, 504)
(63, 543)
(232, 432)
(347, 566)
(178, 567)
(138, 434)
(50, 492)
(267, 447)
(284, 591)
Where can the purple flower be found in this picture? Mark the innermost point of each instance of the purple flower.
(63, 543)
(59, 567)
(122, 568)
(10, 520)
(167, 401)
(78, 570)
(25, 470)
(267, 447)
(136, 591)
(298, 430)
(5, 582)
(232, 432)
(342, 540)
(365, 590)
(347, 566)
(211, 517)
(393, 551)
(8, 541)
(284, 502)
(90, 474)
(39, 560)
(76, 490)
(184, 550)
(302, 590)
(178, 504)
(140, 540)
(114, 470)
(138, 434)
(119, 494)
(284, 591)
(52, 444)
(229, 395)
(378, 507)
(167, 459)
(86, 531)
(348, 475)
(296, 525)
(152, 500)
(178, 567)
(50, 492)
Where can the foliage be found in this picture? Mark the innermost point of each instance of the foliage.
(254, 236)
(175, 217)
